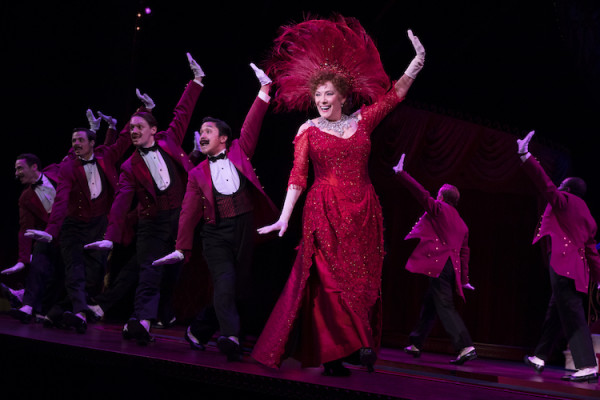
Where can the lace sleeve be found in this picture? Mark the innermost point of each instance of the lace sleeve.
(299, 174)
(374, 113)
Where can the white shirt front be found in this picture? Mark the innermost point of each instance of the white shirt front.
(93, 178)
(158, 169)
(225, 177)
(46, 193)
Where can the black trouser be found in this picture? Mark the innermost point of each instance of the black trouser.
(439, 300)
(227, 248)
(124, 277)
(565, 314)
(155, 239)
(45, 279)
(84, 269)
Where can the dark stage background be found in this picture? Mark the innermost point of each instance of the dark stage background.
(494, 71)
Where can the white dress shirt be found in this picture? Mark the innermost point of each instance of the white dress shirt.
(158, 169)
(46, 193)
(93, 178)
(225, 177)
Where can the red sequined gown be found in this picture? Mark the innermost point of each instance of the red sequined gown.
(330, 307)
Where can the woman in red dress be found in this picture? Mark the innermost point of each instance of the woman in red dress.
(329, 310)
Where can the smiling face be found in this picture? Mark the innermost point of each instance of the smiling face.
(82, 146)
(142, 134)
(24, 173)
(211, 143)
(329, 101)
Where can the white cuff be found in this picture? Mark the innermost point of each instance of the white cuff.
(263, 96)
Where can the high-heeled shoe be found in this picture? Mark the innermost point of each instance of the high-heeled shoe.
(335, 368)
(368, 358)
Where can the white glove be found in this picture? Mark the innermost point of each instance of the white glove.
(93, 121)
(171, 258)
(468, 286)
(198, 73)
(196, 141)
(112, 122)
(99, 245)
(399, 168)
(38, 235)
(260, 74)
(280, 226)
(15, 268)
(144, 98)
(417, 63)
(523, 145)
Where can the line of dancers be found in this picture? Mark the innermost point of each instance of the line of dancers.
(144, 210)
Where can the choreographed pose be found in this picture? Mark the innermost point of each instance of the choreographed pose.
(573, 260)
(329, 310)
(443, 256)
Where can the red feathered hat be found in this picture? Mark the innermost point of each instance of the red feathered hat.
(338, 45)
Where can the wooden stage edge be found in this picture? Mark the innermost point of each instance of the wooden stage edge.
(100, 364)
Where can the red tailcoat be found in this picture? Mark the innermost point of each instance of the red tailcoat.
(199, 202)
(32, 214)
(442, 234)
(571, 227)
(136, 181)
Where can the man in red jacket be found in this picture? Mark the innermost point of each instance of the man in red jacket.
(573, 261)
(87, 184)
(442, 255)
(155, 177)
(35, 204)
(225, 195)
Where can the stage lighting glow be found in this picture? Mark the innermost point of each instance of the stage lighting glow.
(147, 10)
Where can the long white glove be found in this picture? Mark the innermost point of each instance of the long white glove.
(93, 121)
(99, 245)
(400, 167)
(260, 74)
(15, 268)
(523, 146)
(38, 235)
(144, 98)
(198, 73)
(171, 258)
(417, 63)
(288, 206)
(112, 122)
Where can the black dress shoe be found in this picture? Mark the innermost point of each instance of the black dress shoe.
(415, 353)
(368, 358)
(138, 332)
(335, 368)
(20, 315)
(14, 301)
(74, 321)
(538, 367)
(230, 348)
(193, 340)
(464, 358)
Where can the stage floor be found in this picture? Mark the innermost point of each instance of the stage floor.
(110, 359)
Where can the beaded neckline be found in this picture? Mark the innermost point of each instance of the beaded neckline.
(339, 126)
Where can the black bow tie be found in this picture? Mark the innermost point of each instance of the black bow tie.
(221, 156)
(37, 183)
(84, 162)
(146, 150)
